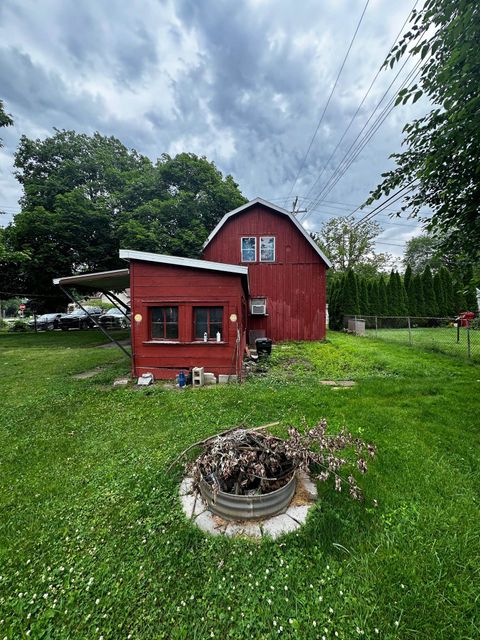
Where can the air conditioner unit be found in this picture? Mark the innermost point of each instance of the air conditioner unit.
(258, 307)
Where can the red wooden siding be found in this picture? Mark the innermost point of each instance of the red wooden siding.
(156, 285)
(294, 285)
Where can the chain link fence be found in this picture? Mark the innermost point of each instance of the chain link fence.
(454, 336)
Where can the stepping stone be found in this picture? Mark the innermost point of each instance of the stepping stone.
(278, 525)
(299, 513)
(121, 382)
(87, 374)
(188, 504)
(245, 530)
(206, 522)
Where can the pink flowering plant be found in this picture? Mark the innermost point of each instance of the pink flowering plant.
(250, 461)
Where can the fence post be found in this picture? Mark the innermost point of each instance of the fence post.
(376, 327)
(458, 331)
(469, 352)
(409, 331)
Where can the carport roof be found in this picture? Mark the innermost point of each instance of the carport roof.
(101, 281)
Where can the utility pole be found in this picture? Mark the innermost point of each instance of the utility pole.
(294, 207)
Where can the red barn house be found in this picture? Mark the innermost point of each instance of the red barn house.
(286, 270)
(262, 275)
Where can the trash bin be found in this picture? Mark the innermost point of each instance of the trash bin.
(263, 346)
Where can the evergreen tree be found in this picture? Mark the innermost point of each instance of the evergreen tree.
(363, 299)
(418, 297)
(382, 298)
(439, 294)
(448, 292)
(401, 295)
(349, 298)
(469, 289)
(459, 298)
(409, 284)
(392, 296)
(373, 302)
(430, 301)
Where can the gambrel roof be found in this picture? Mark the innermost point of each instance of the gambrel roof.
(277, 209)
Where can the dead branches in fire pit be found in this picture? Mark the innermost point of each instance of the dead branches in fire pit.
(247, 462)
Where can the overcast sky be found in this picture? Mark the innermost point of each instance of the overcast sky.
(243, 82)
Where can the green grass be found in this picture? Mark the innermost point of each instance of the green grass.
(93, 541)
(443, 339)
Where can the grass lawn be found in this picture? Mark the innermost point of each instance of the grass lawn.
(94, 544)
(442, 339)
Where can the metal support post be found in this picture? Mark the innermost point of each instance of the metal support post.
(409, 331)
(376, 326)
(94, 320)
(469, 349)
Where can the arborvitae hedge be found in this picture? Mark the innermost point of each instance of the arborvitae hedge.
(421, 295)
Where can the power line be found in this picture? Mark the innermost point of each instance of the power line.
(361, 103)
(347, 161)
(398, 195)
(329, 98)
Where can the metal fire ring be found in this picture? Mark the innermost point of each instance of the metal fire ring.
(233, 507)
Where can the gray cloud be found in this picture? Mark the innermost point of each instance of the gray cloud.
(241, 82)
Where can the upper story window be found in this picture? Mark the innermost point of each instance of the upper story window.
(267, 249)
(249, 249)
(164, 323)
(208, 320)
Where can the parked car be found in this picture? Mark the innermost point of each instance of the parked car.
(46, 322)
(114, 319)
(78, 319)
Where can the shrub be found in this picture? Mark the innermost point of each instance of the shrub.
(19, 326)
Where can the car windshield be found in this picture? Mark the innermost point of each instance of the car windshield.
(114, 312)
(42, 317)
(78, 312)
(49, 316)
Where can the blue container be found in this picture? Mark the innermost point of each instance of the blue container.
(181, 379)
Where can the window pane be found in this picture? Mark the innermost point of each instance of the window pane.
(164, 323)
(171, 331)
(267, 249)
(201, 322)
(248, 249)
(216, 317)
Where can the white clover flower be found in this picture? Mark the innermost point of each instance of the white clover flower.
(314, 623)
(396, 623)
(274, 623)
(97, 601)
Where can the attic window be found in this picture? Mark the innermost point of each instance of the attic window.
(267, 249)
(249, 249)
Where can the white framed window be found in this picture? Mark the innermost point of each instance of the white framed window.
(249, 249)
(267, 249)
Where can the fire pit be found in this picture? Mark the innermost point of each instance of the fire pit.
(248, 507)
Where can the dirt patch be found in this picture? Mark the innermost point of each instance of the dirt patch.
(84, 375)
(338, 383)
(111, 345)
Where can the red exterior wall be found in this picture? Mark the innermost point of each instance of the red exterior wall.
(154, 284)
(294, 285)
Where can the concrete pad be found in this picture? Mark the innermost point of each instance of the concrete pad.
(199, 507)
(188, 504)
(307, 485)
(298, 513)
(278, 525)
(205, 521)
(186, 486)
(121, 382)
(243, 530)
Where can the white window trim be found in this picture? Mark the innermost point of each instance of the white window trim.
(274, 249)
(241, 248)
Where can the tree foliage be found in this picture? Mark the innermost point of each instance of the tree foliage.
(5, 119)
(352, 247)
(84, 197)
(442, 156)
